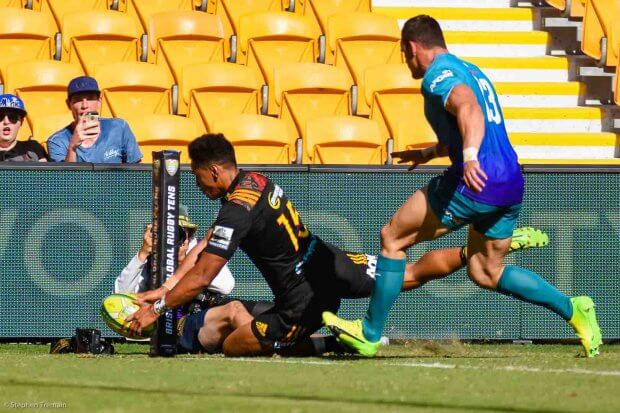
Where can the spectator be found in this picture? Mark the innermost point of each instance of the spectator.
(90, 138)
(12, 114)
(134, 278)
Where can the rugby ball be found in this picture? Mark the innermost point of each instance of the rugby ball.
(116, 308)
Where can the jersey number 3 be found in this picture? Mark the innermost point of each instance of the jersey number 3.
(490, 101)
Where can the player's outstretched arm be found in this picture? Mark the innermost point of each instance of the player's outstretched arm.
(462, 103)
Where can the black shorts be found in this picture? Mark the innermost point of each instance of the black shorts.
(332, 274)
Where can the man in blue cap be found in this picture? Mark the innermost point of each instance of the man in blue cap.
(90, 138)
(12, 114)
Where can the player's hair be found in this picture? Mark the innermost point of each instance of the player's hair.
(424, 30)
(212, 148)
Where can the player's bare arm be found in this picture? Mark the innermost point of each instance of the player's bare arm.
(463, 105)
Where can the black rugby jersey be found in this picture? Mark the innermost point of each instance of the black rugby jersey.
(257, 217)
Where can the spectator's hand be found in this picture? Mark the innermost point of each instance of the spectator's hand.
(147, 244)
(150, 296)
(416, 156)
(84, 129)
(474, 176)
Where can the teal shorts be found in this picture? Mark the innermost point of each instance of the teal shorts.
(455, 210)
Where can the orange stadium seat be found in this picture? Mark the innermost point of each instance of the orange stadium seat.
(43, 87)
(268, 40)
(155, 132)
(44, 126)
(142, 10)
(212, 90)
(129, 88)
(304, 91)
(344, 140)
(181, 38)
(601, 31)
(321, 10)
(24, 35)
(360, 40)
(97, 37)
(257, 139)
(577, 8)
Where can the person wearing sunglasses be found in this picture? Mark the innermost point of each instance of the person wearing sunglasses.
(134, 277)
(12, 115)
(90, 138)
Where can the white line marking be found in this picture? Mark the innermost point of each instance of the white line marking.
(435, 365)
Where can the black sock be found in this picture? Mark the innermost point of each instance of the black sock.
(325, 344)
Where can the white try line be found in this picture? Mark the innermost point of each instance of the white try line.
(435, 365)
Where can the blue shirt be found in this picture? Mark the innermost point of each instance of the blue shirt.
(496, 155)
(115, 144)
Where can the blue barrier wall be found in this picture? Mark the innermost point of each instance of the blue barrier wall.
(67, 232)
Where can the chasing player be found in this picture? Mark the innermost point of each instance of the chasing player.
(483, 189)
(306, 275)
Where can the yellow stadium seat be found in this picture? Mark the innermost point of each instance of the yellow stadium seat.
(44, 126)
(42, 85)
(230, 11)
(601, 31)
(181, 38)
(360, 40)
(268, 40)
(97, 37)
(130, 88)
(213, 90)
(257, 139)
(344, 140)
(58, 8)
(157, 132)
(617, 85)
(142, 10)
(24, 35)
(558, 4)
(304, 91)
(321, 10)
(17, 4)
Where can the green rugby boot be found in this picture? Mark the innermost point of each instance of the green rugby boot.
(528, 237)
(585, 325)
(350, 335)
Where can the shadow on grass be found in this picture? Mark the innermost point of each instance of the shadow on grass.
(293, 398)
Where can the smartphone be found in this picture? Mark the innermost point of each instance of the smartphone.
(92, 116)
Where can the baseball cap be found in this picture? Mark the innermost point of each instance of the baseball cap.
(8, 101)
(82, 84)
(184, 220)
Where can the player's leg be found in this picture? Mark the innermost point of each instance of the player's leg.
(488, 244)
(220, 322)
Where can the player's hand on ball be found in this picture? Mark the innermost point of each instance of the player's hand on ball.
(141, 319)
(149, 297)
(474, 176)
(416, 156)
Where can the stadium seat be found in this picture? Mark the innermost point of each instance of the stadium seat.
(212, 90)
(17, 4)
(181, 38)
(321, 10)
(156, 132)
(558, 4)
(343, 140)
(42, 85)
(257, 139)
(617, 84)
(305, 91)
(268, 40)
(230, 11)
(129, 88)
(360, 40)
(58, 8)
(44, 126)
(24, 35)
(601, 31)
(142, 10)
(98, 37)
(577, 8)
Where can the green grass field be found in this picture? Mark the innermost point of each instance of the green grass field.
(418, 376)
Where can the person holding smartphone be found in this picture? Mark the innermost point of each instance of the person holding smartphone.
(90, 138)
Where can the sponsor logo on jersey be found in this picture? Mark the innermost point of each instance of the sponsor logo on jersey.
(444, 75)
(370, 261)
(221, 237)
(274, 197)
(261, 327)
(172, 166)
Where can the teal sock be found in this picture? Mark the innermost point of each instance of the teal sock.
(389, 280)
(528, 286)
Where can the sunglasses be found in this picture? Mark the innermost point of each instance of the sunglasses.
(183, 235)
(12, 116)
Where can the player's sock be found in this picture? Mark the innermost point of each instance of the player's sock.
(188, 328)
(325, 344)
(528, 286)
(389, 280)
